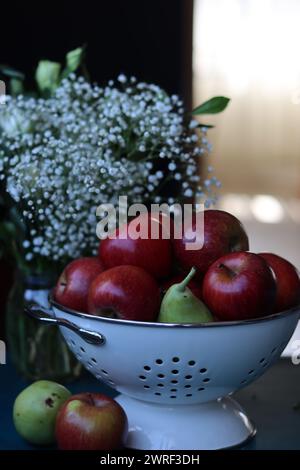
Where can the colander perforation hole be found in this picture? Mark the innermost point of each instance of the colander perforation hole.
(251, 371)
(157, 393)
(159, 361)
(273, 350)
(175, 371)
(147, 368)
(172, 396)
(243, 381)
(188, 394)
(174, 381)
(161, 376)
(200, 389)
(173, 390)
(93, 360)
(82, 349)
(188, 377)
(192, 363)
(175, 359)
(262, 360)
(203, 370)
(146, 386)
(72, 342)
(142, 377)
(187, 386)
(160, 385)
(206, 380)
(104, 372)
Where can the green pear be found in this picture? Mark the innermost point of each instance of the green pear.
(180, 305)
(35, 411)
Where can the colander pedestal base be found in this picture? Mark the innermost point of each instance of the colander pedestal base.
(218, 424)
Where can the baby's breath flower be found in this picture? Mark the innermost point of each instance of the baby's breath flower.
(62, 157)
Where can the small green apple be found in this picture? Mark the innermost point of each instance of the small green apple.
(35, 411)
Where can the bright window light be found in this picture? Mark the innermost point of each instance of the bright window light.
(260, 42)
(237, 204)
(267, 209)
(249, 50)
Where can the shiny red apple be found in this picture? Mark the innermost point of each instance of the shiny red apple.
(91, 421)
(287, 280)
(194, 286)
(126, 292)
(73, 284)
(153, 255)
(239, 286)
(223, 233)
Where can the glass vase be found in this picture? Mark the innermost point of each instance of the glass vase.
(37, 351)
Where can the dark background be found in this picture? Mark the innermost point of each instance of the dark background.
(151, 39)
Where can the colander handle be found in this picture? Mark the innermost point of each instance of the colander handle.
(43, 314)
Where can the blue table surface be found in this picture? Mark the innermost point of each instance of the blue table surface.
(270, 402)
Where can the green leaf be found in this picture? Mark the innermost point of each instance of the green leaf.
(12, 73)
(213, 106)
(208, 126)
(16, 86)
(73, 60)
(47, 76)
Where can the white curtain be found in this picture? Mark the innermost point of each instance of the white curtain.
(249, 50)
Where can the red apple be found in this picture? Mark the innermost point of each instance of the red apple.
(153, 255)
(287, 280)
(195, 286)
(73, 284)
(239, 286)
(91, 421)
(126, 292)
(223, 233)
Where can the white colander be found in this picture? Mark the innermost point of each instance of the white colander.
(175, 380)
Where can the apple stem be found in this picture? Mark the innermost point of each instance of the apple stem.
(229, 271)
(182, 285)
(91, 399)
